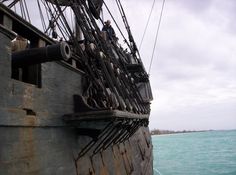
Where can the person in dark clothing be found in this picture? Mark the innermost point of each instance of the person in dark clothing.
(109, 30)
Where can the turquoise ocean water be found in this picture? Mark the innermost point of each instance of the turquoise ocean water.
(199, 153)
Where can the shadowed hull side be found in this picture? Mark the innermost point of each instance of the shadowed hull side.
(46, 151)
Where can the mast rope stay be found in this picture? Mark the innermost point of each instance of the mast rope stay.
(27, 11)
(133, 46)
(41, 16)
(156, 36)
(145, 30)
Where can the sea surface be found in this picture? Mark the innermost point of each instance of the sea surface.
(197, 153)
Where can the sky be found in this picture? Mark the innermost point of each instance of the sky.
(193, 75)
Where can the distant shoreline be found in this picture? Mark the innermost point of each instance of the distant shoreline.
(164, 132)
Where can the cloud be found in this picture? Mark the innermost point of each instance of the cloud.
(193, 73)
(197, 117)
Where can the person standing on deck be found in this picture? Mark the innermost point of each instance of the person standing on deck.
(109, 30)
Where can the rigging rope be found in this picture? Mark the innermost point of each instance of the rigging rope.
(41, 16)
(57, 17)
(22, 10)
(147, 24)
(13, 3)
(72, 18)
(26, 9)
(133, 46)
(157, 32)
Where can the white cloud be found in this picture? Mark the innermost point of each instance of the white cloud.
(193, 75)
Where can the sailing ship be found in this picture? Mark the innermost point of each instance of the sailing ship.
(72, 100)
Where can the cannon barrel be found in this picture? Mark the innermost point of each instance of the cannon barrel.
(60, 51)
